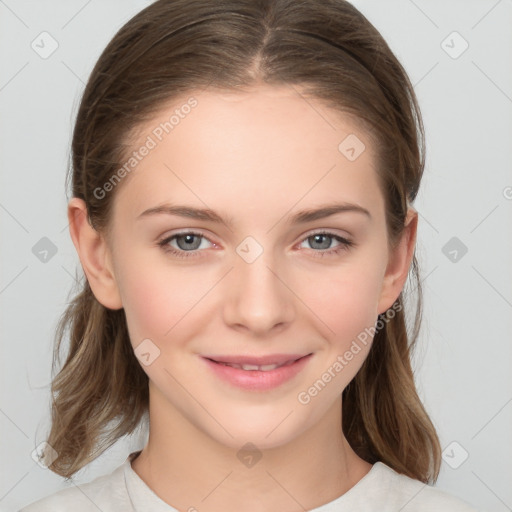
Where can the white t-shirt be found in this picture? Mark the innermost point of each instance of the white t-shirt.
(380, 490)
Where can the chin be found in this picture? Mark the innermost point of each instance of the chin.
(265, 429)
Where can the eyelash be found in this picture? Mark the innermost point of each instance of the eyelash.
(345, 245)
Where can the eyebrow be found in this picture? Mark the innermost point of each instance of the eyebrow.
(300, 217)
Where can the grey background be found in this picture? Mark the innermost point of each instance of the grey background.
(463, 360)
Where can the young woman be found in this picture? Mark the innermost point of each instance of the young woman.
(243, 178)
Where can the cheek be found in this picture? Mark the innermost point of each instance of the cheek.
(157, 298)
(346, 298)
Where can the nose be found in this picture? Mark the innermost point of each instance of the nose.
(258, 299)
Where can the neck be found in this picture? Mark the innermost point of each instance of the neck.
(189, 470)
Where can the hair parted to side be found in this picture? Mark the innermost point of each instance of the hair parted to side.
(168, 50)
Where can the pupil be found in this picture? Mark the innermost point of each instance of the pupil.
(322, 240)
(187, 242)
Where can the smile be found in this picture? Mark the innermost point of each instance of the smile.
(257, 373)
(255, 367)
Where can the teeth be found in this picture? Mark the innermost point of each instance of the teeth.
(262, 368)
(250, 367)
(267, 367)
(255, 367)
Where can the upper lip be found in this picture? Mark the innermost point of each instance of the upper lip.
(256, 360)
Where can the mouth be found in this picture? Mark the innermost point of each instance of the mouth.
(257, 373)
(257, 367)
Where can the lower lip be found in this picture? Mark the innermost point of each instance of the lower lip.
(257, 380)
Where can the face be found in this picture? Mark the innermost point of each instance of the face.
(257, 282)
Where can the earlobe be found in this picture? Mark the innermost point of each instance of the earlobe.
(94, 255)
(399, 263)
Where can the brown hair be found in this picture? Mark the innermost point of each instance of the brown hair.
(169, 49)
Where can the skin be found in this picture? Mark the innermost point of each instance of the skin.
(255, 157)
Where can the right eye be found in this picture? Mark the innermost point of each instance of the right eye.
(185, 242)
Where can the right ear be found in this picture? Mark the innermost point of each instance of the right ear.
(94, 255)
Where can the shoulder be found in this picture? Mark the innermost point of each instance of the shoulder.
(409, 495)
(106, 493)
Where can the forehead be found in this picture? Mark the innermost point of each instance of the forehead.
(251, 148)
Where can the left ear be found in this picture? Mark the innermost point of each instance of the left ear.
(400, 259)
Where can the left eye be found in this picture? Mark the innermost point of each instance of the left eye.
(323, 241)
